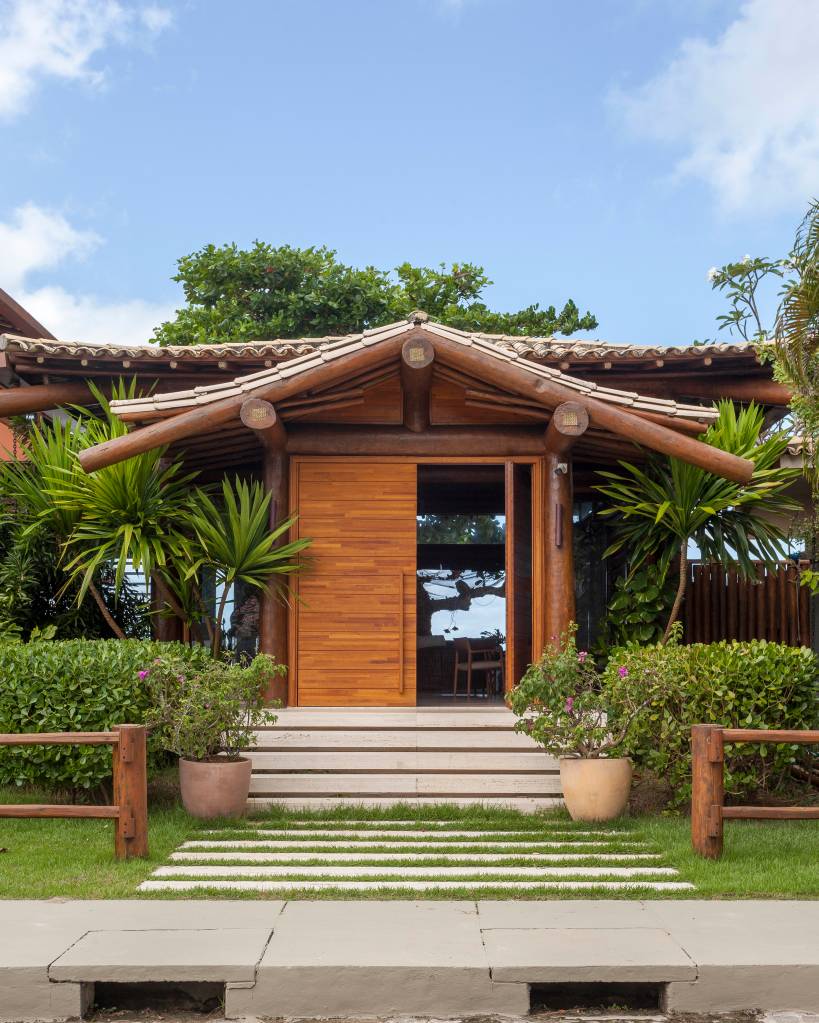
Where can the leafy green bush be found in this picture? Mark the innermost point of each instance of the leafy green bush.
(72, 686)
(212, 709)
(752, 684)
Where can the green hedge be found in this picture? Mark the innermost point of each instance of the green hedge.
(74, 686)
(740, 685)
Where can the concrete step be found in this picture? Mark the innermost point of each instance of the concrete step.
(318, 757)
(523, 761)
(523, 804)
(415, 886)
(534, 858)
(473, 871)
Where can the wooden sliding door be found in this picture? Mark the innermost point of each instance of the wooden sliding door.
(524, 574)
(353, 626)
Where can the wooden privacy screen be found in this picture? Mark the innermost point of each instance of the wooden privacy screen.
(721, 605)
(354, 622)
(129, 762)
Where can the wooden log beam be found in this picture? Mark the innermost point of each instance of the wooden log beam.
(273, 610)
(559, 596)
(495, 442)
(569, 421)
(261, 417)
(207, 417)
(17, 401)
(601, 413)
(417, 357)
(705, 385)
(674, 423)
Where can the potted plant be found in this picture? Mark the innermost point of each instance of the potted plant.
(207, 717)
(562, 705)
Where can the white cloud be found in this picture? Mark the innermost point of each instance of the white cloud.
(36, 239)
(88, 318)
(58, 39)
(743, 108)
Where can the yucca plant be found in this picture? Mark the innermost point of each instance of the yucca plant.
(234, 539)
(660, 508)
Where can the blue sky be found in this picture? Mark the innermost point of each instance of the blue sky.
(606, 151)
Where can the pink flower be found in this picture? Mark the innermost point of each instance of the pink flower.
(569, 705)
(142, 675)
(581, 657)
(622, 671)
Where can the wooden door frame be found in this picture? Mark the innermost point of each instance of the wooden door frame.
(538, 548)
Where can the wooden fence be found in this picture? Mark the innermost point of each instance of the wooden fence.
(708, 812)
(130, 805)
(719, 604)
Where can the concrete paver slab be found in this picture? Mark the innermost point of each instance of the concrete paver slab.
(577, 955)
(590, 913)
(374, 958)
(130, 956)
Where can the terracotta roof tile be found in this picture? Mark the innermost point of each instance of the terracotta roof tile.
(491, 347)
(541, 348)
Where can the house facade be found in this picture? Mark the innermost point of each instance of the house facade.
(380, 441)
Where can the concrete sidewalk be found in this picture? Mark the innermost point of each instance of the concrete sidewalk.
(325, 959)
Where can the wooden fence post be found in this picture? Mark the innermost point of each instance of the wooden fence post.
(131, 792)
(707, 791)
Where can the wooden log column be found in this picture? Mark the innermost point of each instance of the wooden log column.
(417, 356)
(569, 421)
(261, 417)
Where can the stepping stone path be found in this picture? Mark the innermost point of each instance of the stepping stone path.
(347, 856)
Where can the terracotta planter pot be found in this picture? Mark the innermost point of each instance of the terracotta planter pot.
(595, 790)
(215, 788)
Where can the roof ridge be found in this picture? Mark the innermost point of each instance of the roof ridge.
(249, 382)
(557, 345)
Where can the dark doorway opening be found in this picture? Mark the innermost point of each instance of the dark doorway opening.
(461, 584)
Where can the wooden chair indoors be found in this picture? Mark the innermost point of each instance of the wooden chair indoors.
(475, 656)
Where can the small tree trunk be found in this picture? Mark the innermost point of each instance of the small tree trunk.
(106, 614)
(680, 594)
(216, 647)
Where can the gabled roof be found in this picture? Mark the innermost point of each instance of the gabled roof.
(548, 349)
(15, 318)
(163, 405)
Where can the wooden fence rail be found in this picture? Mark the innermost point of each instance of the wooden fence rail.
(708, 812)
(130, 806)
(719, 604)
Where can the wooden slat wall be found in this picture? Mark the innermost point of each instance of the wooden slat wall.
(355, 619)
(719, 604)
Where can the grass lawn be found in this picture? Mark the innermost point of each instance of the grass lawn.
(74, 858)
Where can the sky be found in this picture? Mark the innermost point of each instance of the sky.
(609, 151)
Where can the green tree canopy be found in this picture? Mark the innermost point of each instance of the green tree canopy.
(268, 292)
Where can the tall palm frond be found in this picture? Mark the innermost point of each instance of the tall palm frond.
(797, 326)
(662, 507)
(235, 540)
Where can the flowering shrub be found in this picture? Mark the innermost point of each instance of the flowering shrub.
(211, 710)
(561, 704)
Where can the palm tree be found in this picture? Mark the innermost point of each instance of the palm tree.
(662, 508)
(29, 488)
(143, 515)
(796, 336)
